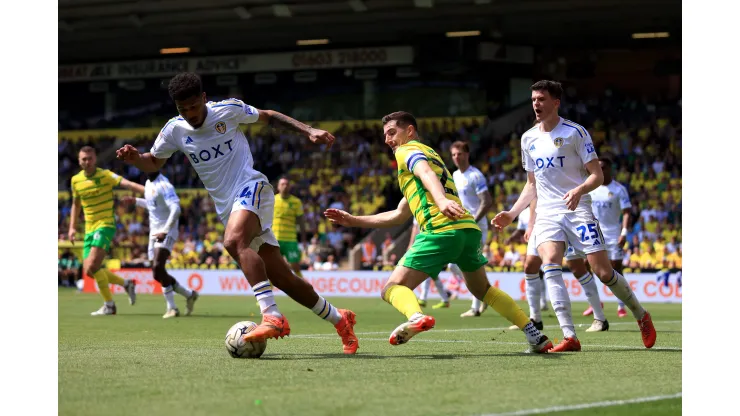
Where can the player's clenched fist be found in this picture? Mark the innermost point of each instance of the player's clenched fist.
(128, 154)
(502, 219)
(451, 209)
(337, 216)
(321, 137)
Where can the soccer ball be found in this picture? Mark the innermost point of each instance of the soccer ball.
(237, 347)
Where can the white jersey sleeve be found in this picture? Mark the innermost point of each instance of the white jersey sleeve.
(164, 146)
(624, 198)
(169, 194)
(242, 112)
(480, 183)
(527, 161)
(585, 146)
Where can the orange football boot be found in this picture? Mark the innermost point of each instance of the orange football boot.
(647, 329)
(567, 344)
(345, 329)
(406, 330)
(271, 327)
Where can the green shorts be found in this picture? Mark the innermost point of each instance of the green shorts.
(102, 237)
(431, 253)
(290, 250)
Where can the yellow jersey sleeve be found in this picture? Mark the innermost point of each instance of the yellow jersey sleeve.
(408, 156)
(111, 178)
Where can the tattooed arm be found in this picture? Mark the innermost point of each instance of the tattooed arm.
(280, 121)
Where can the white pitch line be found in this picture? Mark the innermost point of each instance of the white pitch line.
(608, 403)
(470, 329)
(452, 341)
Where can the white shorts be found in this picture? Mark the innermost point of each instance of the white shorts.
(167, 244)
(578, 230)
(259, 198)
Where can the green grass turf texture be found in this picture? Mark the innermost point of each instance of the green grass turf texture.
(138, 363)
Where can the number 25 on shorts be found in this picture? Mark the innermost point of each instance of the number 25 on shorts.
(591, 228)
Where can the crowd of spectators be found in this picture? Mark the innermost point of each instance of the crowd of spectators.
(358, 174)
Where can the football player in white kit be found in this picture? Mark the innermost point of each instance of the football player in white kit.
(610, 202)
(535, 286)
(163, 205)
(472, 190)
(209, 134)
(562, 168)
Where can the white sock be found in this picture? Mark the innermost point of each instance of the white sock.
(425, 285)
(534, 290)
(326, 311)
(416, 316)
(592, 293)
(441, 289)
(169, 296)
(543, 299)
(620, 305)
(263, 293)
(181, 290)
(533, 334)
(559, 298)
(622, 290)
(477, 303)
(455, 269)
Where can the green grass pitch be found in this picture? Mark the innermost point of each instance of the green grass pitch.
(138, 363)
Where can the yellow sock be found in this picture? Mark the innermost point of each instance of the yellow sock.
(403, 299)
(502, 303)
(114, 278)
(102, 280)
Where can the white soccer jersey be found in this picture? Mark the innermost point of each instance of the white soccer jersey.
(470, 184)
(557, 159)
(218, 150)
(608, 201)
(523, 220)
(161, 199)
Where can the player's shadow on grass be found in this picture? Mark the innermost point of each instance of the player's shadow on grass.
(195, 317)
(659, 331)
(365, 356)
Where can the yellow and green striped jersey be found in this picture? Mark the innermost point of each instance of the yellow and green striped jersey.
(287, 210)
(426, 212)
(96, 196)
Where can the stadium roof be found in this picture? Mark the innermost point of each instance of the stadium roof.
(103, 30)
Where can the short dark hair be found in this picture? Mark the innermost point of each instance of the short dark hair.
(606, 160)
(185, 85)
(461, 145)
(87, 149)
(553, 87)
(402, 119)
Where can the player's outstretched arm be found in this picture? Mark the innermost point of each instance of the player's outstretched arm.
(132, 186)
(146, 162)
(529, 193)
(594, 180)
(383, 220)
(448, 207)
(279, 120)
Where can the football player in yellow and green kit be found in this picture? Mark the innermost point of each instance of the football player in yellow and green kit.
(92, 189)
(449, 234)
(288, 212)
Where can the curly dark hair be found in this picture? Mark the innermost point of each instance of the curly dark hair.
(185, 85)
